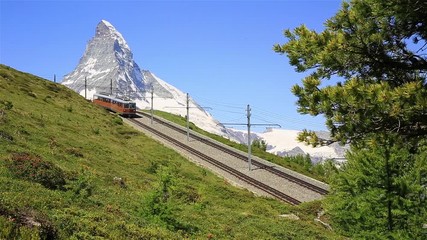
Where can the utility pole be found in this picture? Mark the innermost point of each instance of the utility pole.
(54, 78)
(152, 104)
(188, 118)
(249, 124)
(188, 114)
(248, 114)
(111, 87)
(85, 88)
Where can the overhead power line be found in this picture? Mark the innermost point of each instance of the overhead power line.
(188, 114)
(249, 124)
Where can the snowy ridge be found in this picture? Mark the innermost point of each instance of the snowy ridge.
(177, 104)
(113, 32)
(284, 142)
(107, 59)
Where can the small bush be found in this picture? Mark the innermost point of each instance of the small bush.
(117, 121)
(75, 152)
(26, 224)
(33, 168)
(157, 205)
(6, 74)
(3, 115)
(153, 167)
(53, 87)
(47, 98)
(7, 104)
(28, 92)
(127, 134)
(188, 194)
(6, 136)
(81, 188)
(69, 108)
(95, 131)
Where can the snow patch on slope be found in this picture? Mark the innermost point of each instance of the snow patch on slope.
(283, 141)
(177, 104)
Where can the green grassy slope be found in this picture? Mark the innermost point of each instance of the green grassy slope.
(71, 170)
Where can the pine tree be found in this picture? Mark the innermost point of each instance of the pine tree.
(376, 52)
(381, 193)
(378, 49)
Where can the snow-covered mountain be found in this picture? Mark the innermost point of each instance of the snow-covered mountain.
(284, 142)
(107, 59)
(107, 65)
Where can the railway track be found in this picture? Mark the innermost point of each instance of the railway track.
(274, 192)
(256, 163)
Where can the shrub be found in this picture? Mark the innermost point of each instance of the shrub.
(6, 74)
(81, 187)
(95, 131)
(69, 108)
(53, 87)
(153, 167)
(33, 168)
(188, 194)
(6, 136)
(47, 98)
(26, 224)
(117, 121)
(74, 151)
(7, 104)
(157, 205)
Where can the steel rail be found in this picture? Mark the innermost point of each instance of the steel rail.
(256, 163)
(274, 192)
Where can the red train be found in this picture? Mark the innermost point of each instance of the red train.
(120, 106)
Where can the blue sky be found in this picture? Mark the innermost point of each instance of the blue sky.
(220, 52)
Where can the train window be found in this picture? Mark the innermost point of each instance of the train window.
(132, 105)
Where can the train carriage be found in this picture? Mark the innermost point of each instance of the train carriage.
(121, 106)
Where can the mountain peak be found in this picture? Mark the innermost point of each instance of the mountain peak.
(107, 59)
(105, 29)
(106, 23)
(107, 65)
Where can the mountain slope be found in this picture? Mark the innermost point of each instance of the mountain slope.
(107, 65)
(112, 177)
(284, 142)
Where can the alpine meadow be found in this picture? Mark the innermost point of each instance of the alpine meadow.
(71, 170)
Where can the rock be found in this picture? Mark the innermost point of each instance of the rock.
(119, 181)
(290, 216)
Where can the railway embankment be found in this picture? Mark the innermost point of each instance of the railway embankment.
(286, 181)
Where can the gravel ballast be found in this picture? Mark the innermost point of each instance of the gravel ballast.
(292, 189)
